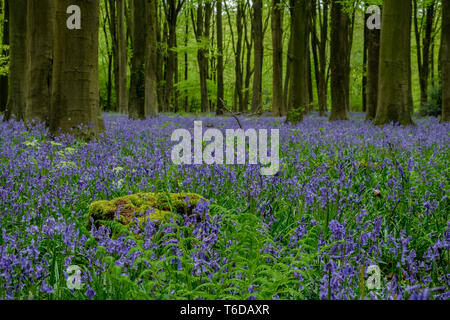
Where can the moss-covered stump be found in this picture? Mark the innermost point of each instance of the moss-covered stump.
(142, 206)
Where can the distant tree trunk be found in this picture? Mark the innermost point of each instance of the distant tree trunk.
(75, 88)
(238, 99)
(394, 95)
(202, 34)
(110, 59)
(373, 59)
(122, 96)
(319, 49)
(298, 85)
(445, 61)
(249, 68)
(339, 52)
(17, 59)
(365, 54)
(115, 49)
(220, 89)
(423, 49)
(257, 26)
(277, 58)
(5, 41)
(287, 77)
(172, 9)
(137, 81)
(151, 89)
(186, 63)
(41, 23)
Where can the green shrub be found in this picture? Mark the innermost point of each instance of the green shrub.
(433, 107)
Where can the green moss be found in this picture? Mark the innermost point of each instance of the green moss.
(143, 206)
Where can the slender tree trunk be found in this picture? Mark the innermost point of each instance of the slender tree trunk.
(238, 101)
(373, 58)
(75, 88)
(202, 34)
(151, 89)
(298, 85)
(137, 81)
(4, 52)
(287, 77)
(319, 53)
(340, 24)
(115, 49)
(258, 55)
(122, 96)
(423, 49)
(17, 59)
(394, 94)
(277, 58)
(186, 63)
(247, 55)
(41, 23)
(172, 9)
(365, 57)
(110, 59)
(220, 89)
(445, 61)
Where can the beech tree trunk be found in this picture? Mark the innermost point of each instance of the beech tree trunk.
(394, 86)
(4, 52)
(220, 93)
(298, 86)
(277, 58)
(122, 95)
(41, 24)
(257, 27)
(151, 99)
(75, 87)
(340, 47)
(137, 77)
(445, 61)
(373, 58)
(17, 59)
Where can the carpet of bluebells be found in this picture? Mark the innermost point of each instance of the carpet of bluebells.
(348, 195)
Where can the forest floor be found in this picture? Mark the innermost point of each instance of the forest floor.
(355, 212)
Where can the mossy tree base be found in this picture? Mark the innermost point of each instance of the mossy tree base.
(142, 206)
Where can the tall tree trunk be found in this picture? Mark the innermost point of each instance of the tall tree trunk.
(75, 88)
(298, 84)
(137, 81)
(249, 70)
(445, 61)
(110, 59)
(365, 57)
(258, 56)
(4, 52)
(17, 59)
(373, 59)
(394, 95)
(203, 16)
(172, 8)
(41, 23)
(115, 47)
(340, 47)
(287, 76)
(122, 95)
(277, 58)
(423, 49)
(238, 99)
(186, 62)
(151, 89)
(220, 96)
(319, 49)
